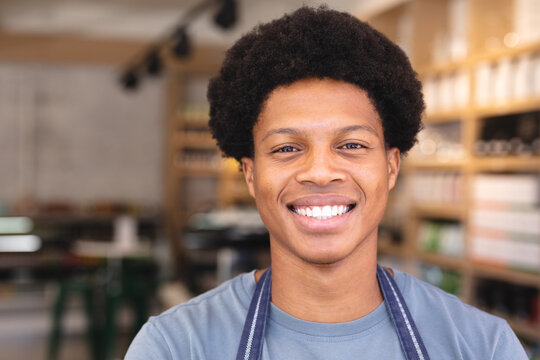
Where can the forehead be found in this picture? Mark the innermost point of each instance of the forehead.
(311, 102)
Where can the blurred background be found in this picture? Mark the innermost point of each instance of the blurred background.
(115, 203)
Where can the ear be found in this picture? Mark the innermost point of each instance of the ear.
(393, 163)
(247, 169)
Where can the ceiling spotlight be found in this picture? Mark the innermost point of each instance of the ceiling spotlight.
(130, 79)
(178, 42)
(226, 16)
(154, 66)
(181, 44)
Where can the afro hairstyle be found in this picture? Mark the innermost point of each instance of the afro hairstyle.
(312, 43)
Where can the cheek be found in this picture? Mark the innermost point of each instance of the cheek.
(265, 185)
(373, 177)
(269, 179)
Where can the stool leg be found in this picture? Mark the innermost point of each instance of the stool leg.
(112, 305)
(92, 330)
(140, 305)
(56, 332)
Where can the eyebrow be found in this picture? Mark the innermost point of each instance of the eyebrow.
(357, 128)
(292, 131)
(289, 131)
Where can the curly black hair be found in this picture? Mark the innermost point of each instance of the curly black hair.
(313, 43)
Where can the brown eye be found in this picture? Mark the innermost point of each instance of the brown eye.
(352, 146)
(286, 149)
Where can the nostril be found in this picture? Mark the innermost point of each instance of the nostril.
(321, 173)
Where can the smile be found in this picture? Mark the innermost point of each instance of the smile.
(321, 212)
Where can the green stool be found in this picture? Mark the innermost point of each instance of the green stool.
(133, 282)
(84, 287)
(118, 281)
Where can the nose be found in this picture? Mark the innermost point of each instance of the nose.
(320, 167)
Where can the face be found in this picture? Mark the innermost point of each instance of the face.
(321, 172)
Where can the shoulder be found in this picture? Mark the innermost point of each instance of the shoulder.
(422, 297)
(452, 327)
(215, 316)
(225, 297)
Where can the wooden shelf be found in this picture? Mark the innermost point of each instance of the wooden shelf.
(444, 67)
(442, 211)
(57, 48)
(510, 107)
(444, 261)
(388, 248)
(235, 175)
(506, 275)
(435, 164)
(470, 61)
(524, 330)
(505, 52)
(507, 163)
(443, 117)
(521, 328)
(200, 141)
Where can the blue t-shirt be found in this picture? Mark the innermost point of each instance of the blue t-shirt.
(209, 327)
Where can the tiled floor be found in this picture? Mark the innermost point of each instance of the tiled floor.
(25, 335)
(35, 348)
(26, 321)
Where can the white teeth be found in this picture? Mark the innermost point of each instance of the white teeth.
(327, 211)
(322, 212)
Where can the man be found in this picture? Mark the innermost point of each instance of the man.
(318, 107)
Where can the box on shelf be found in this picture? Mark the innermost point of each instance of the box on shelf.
(526, 17)
(442, 237)
(516, 302)
(437, 187)
(505, 220)
(508, 79)
(446, 92)
(512, 134)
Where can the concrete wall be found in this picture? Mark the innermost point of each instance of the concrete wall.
(72, 133)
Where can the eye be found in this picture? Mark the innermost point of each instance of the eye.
(285, 149)
(352, 146)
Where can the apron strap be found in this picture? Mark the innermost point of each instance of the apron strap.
(411, 343)
(252, 339)
(251, 342)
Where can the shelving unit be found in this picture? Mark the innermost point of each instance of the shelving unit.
(198, 179)
(446, 39)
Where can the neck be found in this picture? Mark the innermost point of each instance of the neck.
(330, 293)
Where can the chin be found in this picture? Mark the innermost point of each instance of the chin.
(323, 257)
(331, 252)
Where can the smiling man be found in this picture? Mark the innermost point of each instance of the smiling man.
(320, 174)
(318, 108)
